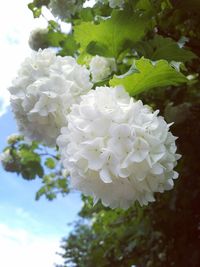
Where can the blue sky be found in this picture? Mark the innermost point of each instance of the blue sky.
(30, 231)
(26, 224)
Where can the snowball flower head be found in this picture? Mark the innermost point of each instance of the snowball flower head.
(101, 67)
(37, 39)
(64, 9)
(117, 150)
(42, 94)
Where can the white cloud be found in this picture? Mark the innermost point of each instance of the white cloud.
(20, 247)
(26, 240)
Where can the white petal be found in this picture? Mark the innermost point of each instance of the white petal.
(157, 169)
(105, 176)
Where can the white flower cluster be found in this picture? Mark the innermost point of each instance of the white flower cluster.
(37, 39)
(13, 138)
(101, 67)
(64, 9)
(116, 3)
(42, 95)
(113, 3)
(117, 150)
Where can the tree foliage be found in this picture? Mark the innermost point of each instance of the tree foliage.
(156, 45)
(32, 160)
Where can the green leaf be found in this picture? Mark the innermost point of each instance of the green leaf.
(86, 14)
(34, 145)
(112, 34)
(55, 38)
(84, 58)
(146, 75)
(40, 3)
(50, 195)
(40, 192)
(53, 25)
(145, 5)
(163, 48)
(37, 11)
(27, 174)
(31, 169)
(39, 170)
(63, 184)
(28, 156)
(50, 163)
(95, 48)
(69, 46)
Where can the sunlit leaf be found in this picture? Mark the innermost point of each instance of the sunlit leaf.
(113, 33)
(147, 75)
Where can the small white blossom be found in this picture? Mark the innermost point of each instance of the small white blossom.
(41, 96)
(113, 3)
(5, 157)
(117, 150)
(64, 9)
(13, 138)
(116, 3)
(101, 68)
